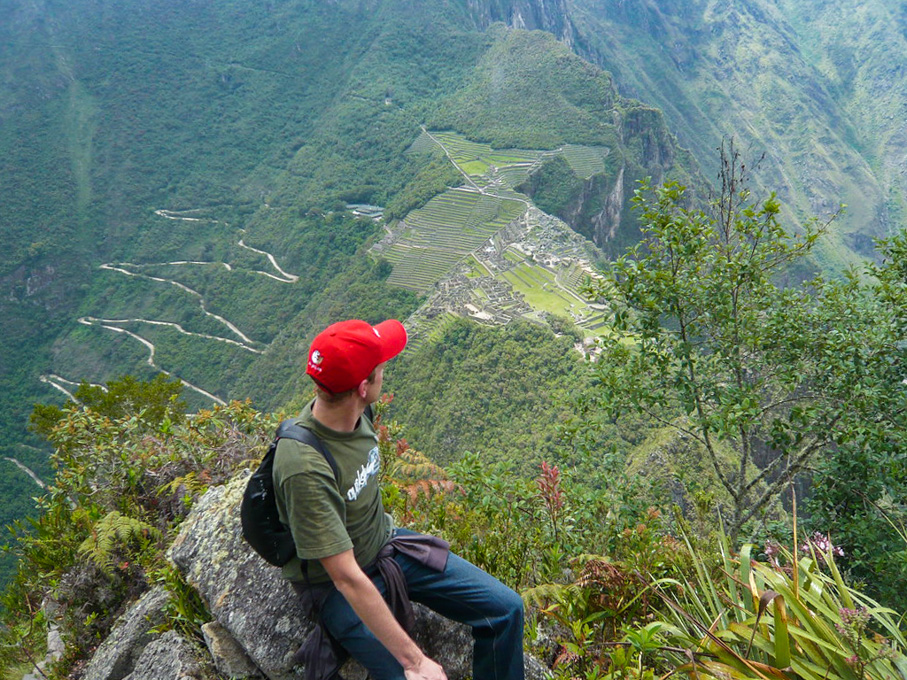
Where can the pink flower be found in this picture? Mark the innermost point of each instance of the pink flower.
(821, 544)
(549, 483)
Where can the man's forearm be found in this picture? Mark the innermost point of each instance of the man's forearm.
(366, 601)
(372, 610)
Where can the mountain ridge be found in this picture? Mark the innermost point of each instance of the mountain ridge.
(737, 69)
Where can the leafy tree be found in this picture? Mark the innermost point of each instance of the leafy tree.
(859, 487)
(705, 340)
(156, 400)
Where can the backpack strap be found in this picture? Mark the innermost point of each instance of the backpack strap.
(290, 430)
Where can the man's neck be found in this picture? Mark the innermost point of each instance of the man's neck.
(342, 417)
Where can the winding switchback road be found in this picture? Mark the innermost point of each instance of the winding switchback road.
(241, 340)
(90, 321)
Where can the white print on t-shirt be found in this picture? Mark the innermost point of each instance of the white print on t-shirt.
(368, 470)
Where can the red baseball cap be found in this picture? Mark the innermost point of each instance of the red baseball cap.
(345, 353)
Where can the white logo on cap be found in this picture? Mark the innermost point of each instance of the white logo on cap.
(317, 358)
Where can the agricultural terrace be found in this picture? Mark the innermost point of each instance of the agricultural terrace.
(475, 158)
(444, 231)
(450, 229)
(487, 167)
(585, 161)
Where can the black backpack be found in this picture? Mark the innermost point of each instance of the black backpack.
(261, 525)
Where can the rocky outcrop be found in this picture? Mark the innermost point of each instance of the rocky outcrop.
(606, 221)
(258, 623)
(172, 657)
(260, 611)
(41, 285)
(118, 656)
(229, 657)
(248, 598)
(644, 130)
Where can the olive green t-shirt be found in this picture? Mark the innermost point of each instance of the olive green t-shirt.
(329, 516)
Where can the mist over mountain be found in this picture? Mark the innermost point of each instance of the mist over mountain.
(178, 179)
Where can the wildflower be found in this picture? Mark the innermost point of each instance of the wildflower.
(855, 618)
(772, 549)
(549, 483)
(852, 627)
(886, 651)
(820, 544)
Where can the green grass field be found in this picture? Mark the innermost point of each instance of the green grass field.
(476, 168)
(540, 290)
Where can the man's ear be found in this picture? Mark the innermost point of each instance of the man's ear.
(362, 389)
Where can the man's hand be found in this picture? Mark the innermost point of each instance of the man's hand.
(427, 669)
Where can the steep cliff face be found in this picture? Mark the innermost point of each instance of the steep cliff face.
(673, 24)
(544, 15)
(597, 206)
(861, 49)
(604, 222)
(644, 131)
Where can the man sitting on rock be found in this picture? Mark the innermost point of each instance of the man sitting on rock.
(352, 566)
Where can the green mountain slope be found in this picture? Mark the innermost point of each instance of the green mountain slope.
(175, 179)
(860, 48)
(763, 71)
(176, 182)
(485, 124)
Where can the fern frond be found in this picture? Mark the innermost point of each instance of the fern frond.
(542, 595)
(192, 483)
(112, 531)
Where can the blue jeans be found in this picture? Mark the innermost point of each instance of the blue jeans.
(462, 593)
